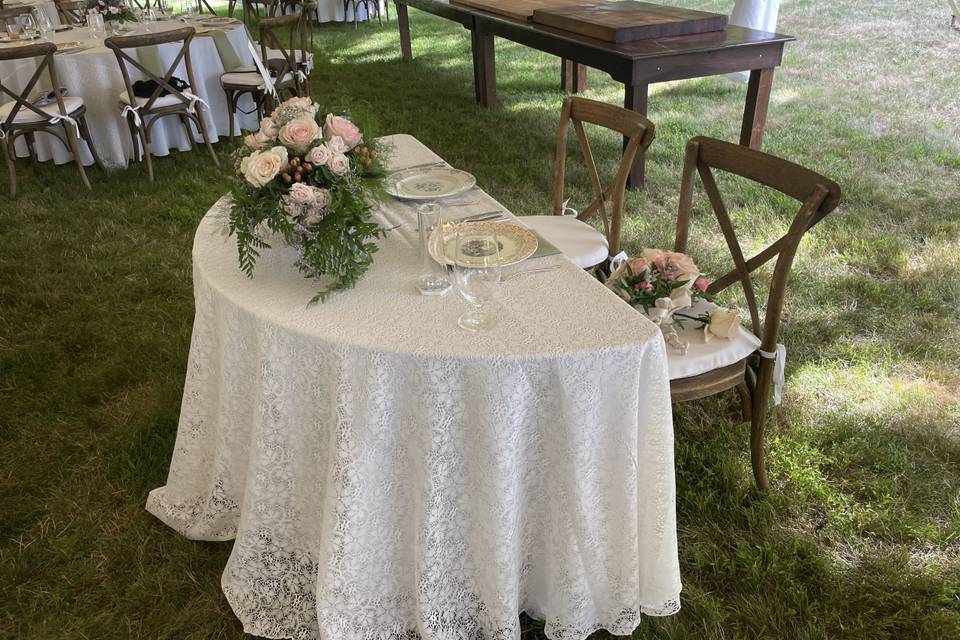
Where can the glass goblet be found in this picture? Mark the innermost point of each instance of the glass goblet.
(476, 272)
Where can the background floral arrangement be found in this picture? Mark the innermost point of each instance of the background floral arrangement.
(659, 280)
(112, 10)
(313, 181)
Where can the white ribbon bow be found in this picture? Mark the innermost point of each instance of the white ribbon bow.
(264, 74)
(135, 110)
(309, 63)
(617, 261)
(779, 370)
(194, 99)
(57, 119)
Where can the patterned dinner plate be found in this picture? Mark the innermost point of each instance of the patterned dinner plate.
(429, 183)
(516, 242)
(68, 46)
(219, 20)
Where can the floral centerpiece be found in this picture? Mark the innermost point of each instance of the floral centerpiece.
(111, 10)
(311, 180)
(664, 283)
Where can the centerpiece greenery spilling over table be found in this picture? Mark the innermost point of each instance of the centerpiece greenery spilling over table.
(313, 180)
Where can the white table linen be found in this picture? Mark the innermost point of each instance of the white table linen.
(333, 11)
(94, 75)
(385, 472)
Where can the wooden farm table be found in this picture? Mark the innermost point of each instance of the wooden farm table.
(636, 64)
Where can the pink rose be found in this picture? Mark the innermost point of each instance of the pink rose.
(255, 140)
(637, 265)
(337, 145)
(298, 134)
(319, 155)
(701, 284)
(268, 128)
(339, 164)
(349, 132)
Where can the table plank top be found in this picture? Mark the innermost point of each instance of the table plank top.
(731, 38)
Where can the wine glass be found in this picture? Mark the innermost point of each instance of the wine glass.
(95, 25)
(29, 26)
(13, 29)
(149, 18)
(476, 268)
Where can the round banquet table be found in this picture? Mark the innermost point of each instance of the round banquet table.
(385, 473)
(94, 74)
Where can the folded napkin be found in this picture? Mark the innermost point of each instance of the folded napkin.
(544, 248)
(149, 57)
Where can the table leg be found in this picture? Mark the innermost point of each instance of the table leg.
(403, 24)
(573, 76)
(485, 68)
(635, 99)
(755, 110)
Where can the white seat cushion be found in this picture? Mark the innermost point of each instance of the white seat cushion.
(580, 242)
(251, 79)
(24, 115)
(701, 356)
(168, 100)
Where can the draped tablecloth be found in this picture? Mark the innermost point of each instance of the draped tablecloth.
(385, 473)
(335, 11)
(94, 75)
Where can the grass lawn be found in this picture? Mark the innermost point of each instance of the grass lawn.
(858, 537)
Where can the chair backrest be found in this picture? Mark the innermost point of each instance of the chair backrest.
(121, 44)
(71, 11)
(272, 31)
(23, 99)
(11, 13)
(251, 10)
(818, 197)
(638, 132)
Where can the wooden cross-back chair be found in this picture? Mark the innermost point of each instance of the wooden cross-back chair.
(366, 4)
(64, 118)
(752, 376)
(143, 113)
(72, 12)
(254, 10)
(286, 65)
(572, 235)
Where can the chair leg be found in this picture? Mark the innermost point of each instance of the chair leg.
(189, 129)
(11, 158)
(85, 132)
(145, 141)
(745, 401)
(231, 111)
(74, 146)
(206, 137)
(134, 138)
(31, 141)
(761, 395)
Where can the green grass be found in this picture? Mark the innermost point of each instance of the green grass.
(857, 539)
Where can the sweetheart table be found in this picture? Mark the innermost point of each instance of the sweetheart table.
(386, 474)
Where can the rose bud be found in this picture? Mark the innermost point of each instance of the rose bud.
(286, 178)
(295, 161)
(307, 166)
(297, 176)
(374, 153)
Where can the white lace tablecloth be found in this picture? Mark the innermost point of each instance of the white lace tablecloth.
(385, 473)
(94, 75)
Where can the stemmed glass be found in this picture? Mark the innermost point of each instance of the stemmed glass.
(29, 26)
(476, 268)
(95, 25)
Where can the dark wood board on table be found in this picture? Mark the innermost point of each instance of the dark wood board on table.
(516, 9)
(628, 20)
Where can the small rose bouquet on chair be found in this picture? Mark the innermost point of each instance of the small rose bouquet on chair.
(664, 283)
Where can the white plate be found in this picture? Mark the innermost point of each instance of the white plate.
(429, 183)
(216, 22)
(517, 243)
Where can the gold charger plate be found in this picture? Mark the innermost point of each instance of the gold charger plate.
(517, 243)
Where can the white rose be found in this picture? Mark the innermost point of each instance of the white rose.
(339, 164)
(263, 166)
(337, 145)
(319, 155)
(724, 323)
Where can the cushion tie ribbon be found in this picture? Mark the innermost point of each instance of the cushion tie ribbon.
(65, 119)
(135, 110)
(779, 356)
(268, 86)
(194, 99)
